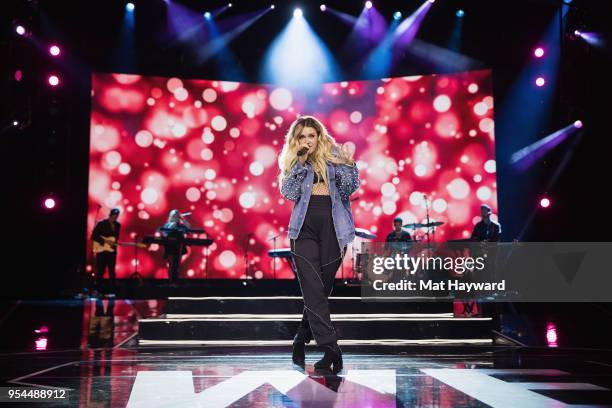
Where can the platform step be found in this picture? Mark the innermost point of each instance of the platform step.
(342, 342)
(274, 320)
(282, 329)
(345, 316)
(295, 304)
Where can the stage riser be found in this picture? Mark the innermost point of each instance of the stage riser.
(295, 306)
(283, 330)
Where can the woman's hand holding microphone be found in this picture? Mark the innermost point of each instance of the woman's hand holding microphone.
(302, 153)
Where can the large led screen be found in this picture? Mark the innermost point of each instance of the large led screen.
(210, 148)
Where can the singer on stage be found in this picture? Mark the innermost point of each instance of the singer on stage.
(319, 176)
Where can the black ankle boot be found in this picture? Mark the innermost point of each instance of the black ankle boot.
(332, 359)
(299, 354)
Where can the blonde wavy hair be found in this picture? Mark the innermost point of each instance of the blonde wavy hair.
(323, 153)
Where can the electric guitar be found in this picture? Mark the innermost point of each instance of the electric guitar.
(110, 245)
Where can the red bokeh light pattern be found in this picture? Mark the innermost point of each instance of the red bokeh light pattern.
(211, 147)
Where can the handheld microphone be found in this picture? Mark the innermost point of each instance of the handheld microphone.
(302, 151)
(185, 214)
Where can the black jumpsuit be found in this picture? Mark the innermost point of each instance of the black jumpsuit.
(317, 256)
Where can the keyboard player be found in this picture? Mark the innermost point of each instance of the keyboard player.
(173, 232)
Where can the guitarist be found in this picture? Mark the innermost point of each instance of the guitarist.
(103, 233)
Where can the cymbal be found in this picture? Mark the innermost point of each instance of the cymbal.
(364, 233)
(416, 225)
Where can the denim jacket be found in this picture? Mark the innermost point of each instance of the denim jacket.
(343, 181)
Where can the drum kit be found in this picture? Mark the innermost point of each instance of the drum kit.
(361, 256)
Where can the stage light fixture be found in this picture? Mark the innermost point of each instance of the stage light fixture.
(53, 80)
(54, 50)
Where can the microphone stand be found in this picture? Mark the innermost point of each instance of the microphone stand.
(246, 255)
(136, 274)
(428, 227)
(273, 239)
(206, 255)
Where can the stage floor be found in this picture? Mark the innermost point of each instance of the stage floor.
(264, 377)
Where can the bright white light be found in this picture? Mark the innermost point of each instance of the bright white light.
(54, 50)
(298, 12)
(368, 4)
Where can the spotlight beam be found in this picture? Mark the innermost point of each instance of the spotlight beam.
(221, 37)
(558, 171)
(407, 30)
(288, 61)
(528, 155)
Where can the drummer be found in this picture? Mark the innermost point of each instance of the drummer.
(399, 239)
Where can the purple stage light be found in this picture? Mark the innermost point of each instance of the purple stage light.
(41, 343)
(539, 52)
(54, 50)
(49, 203)
(408, 29)
(540, 81)
(545, 202)
(53, 80)
(368, 4)
(18, 75)
(20, 30)
(592, 38)
(528, 155)
(551, 335)
(323, 7)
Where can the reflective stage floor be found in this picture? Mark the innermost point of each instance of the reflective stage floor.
(264, 377)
